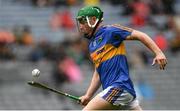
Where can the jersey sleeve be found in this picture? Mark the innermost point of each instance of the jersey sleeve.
(121, 31)
(118, 34)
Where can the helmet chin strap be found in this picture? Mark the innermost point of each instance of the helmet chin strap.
(94, 26)
(88, 21)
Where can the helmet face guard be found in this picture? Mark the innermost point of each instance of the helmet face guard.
(84, 15)
(81, 20)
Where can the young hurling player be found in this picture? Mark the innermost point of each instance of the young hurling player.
(108, 54)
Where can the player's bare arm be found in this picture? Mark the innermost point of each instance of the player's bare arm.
(159, 58)
(94, 85)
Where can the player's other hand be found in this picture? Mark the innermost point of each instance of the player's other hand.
(161, 60)
(85, 100)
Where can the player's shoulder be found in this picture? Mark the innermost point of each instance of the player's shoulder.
(117, 27)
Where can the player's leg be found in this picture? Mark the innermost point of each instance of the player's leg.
(113, 98)
(103, 100)
(98, 103)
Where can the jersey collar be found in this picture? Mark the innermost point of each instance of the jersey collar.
(99, 31)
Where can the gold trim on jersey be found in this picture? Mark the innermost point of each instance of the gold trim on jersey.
(121, 27)
(106, 52)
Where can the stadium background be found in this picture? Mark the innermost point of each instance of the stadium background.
(42, 34)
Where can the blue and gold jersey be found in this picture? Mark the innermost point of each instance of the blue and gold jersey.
(108, 53)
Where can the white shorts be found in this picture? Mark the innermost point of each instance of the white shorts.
(119, 97)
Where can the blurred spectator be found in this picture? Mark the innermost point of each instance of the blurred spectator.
(175, 43)
(55, 21)
(23, 35)
(141, 13)
(138, 20)
(84, 49)
(27, 37)
(42, 50)
(91, 2)
(177, 23)
(145, 56)
(71, 2)
(127, 7)
(75, 51)
(36, 55)
(62, 20)
(162, 6)
(169, 6)
(67, 69)
(173, 23)
(17, 31)
(59, 3)
(6, 38)
(66, 20)
(156, 7)
(58, 75)
(139, 58)
(6, 52)
(70, 69)
(118, 2)
(161, 41)
(42, 3)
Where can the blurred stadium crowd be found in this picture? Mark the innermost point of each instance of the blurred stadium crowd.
(42, 34)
